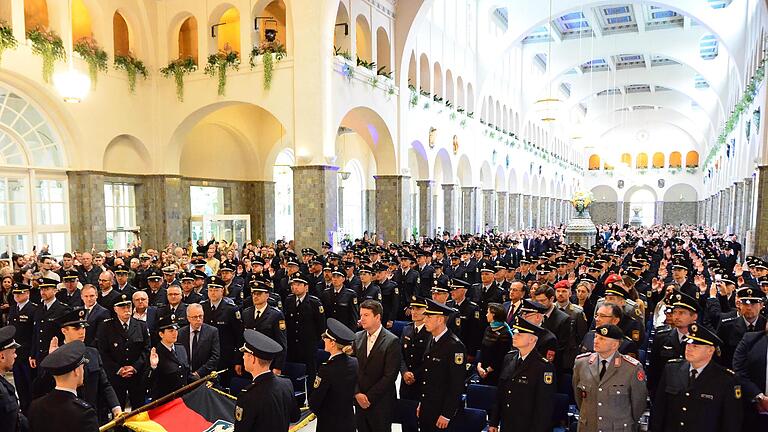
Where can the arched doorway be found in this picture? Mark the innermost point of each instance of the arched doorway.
(642, 202)
(282, 175)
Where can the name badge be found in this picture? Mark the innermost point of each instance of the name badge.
(706, 396)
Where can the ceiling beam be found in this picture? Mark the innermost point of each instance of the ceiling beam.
(595, 22)
(553, 33)
(639, 13)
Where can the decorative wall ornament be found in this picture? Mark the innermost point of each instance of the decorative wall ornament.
(455, 144)
(432, 136)
(662, 183)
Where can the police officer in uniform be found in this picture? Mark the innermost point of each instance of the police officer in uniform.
(443, 371)
(390, 293)
(168, 364)
(70, 295)
(334, 386)
(267, 404)
(268, 320)
(61, 409)
(368, 288)
(609, 387)
(697, 394)
(340, 302)
(233, 287)
(668, 343)
(526, 390)
(732, 329)
(188, 294)
(469, 314)
(413, 342)
(155, 291)
(124, 346)
(305, 322)
(21, 316)
(226, 318)
(10, 416)
(45, 325)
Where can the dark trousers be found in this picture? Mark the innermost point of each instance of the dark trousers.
(309, 360)
(409, 392)
(23, 375)
(428, 422)
(131, 389)
(377, 418)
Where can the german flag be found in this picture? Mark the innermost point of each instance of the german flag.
(201, 409)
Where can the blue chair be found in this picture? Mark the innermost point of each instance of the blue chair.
(560, 412)
(397, 327)
(405, 415)
(297, 372)
(469, 420)
(481, 396)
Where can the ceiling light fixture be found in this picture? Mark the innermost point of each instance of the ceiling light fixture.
(548, 108)
(72, 85)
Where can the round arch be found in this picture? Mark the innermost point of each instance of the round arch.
(486, 179)
(501, 181)
(681, 192)
(419, 155)
(605, 193)
(126, 154)
(375, 132)
(464, 172)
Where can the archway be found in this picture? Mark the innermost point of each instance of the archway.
(121, 36)
(35, 14)
(443, 175)
(126, 154)
(424, 73)
(282, 175)
(363, 39)
(226, 33)
(341, 30)
(81, 21)
(383, 51)
(271, 19)
(375, 133)
(354, 187)
(642, 202)
(187, 39)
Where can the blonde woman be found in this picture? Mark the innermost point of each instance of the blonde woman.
(333, 391)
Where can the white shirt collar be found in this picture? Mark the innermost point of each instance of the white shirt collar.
(375, 334)
(261, 310)
(20, 306)
(49, 303)
(66, 390)
(418, 327)
(437, 338)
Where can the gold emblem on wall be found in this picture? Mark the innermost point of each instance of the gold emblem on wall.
(455, 144)
(432, 137)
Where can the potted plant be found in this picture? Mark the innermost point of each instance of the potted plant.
(219, 63)
(270, 53)
(92, 53)
(178, 69)
(7, 40)
(133, 67)
(49, 46)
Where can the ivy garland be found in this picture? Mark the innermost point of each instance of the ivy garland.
(178, 69)
(92, 53)
(49, 46)
(219, 63)
(133, 67)
(266, 50)
(7, 40)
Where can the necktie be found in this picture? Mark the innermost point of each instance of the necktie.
(511, 313)
(751, 328)
(213, 308)
(298, 302)
(258, 314)
(194, 344)
(602, 368)
(692, 378)
(125, 326)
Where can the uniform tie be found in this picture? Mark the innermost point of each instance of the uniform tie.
(125, 326)
(692, 378)
(751, 328)
(602, 368)
(258, 314)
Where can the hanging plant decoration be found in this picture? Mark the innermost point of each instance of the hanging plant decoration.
(267, 50)
(178, 69)
(7, 40)
(133, 67)
(49, 46)
(219, 63)
(92, 53)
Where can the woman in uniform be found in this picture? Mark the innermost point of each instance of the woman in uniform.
(334, 387)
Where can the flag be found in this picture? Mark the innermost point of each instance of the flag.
(202, 409)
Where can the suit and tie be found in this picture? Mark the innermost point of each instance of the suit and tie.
(95, 316)
(511, 314)
(378, 367)
(204, 355)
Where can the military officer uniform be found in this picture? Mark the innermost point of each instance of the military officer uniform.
(269, 321)
(469, 328)
(701, 400)
(341, 305)
(334, 387)
(172, 371)
(61, 410)
(390, 295)
(226, 318)
(667, 343)
(526, 389)
(11, 416)
(125, 345)
(413, 342)
(267, 404)
(305, 322)
(45, 324)
(610, 393)
(442, 374)
(22, 318)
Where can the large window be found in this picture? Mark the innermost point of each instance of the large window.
(206, 201)
(120, 207)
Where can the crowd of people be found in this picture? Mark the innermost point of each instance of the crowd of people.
(661, 327)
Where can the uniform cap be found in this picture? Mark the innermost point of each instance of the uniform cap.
(749, 295)
(6, 338)
(522, 325)
(154, 274)
(44, 282)
(167, 321)
(260, 345)
(531, 306)
(65, 358)
(679, 299)
(610, 331)
(227, 265)
(700, 335)
(215, 282)
(123, 300)
(70, 274)
(73, 317)
(338, 332)
(435, 308)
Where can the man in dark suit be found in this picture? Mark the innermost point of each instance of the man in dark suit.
(201, 341)
(21, 316)
(108, 295)
(95, 314)
(45, 326)
(561, 325)
(378, 355)
(516, 295)
(749, 362)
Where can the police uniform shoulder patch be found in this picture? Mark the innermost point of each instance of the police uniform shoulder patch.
(354, 300)
(477, 314)
(378, 296)
(638, 312)
(281, 323)
(737, 391)
(548, 377)
(238, 413)
(458, 322)
(636, 335)
(320, 308)
(397, 291)
(316, 384)
(237, 314)
(550, 356)
(458, 358)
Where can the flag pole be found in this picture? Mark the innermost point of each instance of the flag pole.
(118, 421)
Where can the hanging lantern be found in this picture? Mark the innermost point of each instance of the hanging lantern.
(72, 85)
(548, 109)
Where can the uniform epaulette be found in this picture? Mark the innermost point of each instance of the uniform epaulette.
(544, 359)
(675, 360)
(314, 297)
(663, 329)
(82, 403)
(34, 304)
(629, 359)
(631, 302)
(730, 371)
(473, 303)
(107, 319)
(728, 319)
(577, 308)
(586, 354)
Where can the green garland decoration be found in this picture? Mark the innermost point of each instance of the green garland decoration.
(92, 53)
(133, 67)
(49, 46)
(7, 40)
(178, 69)
(267, 50)
(219, 63)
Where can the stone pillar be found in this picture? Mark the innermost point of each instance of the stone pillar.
(315, 204)
(526, 213)
(710, 207)
(761, 215)
(535, 205)
(469, 210)
(659, 217)
(86, 209)
(738, 208)
(17, 23)
(716, 211)
(392, 208)
(262, 210)
(514, 211)
(700, 212)
(542, 212)
(489, 210)
(748, 223)
(426, 223)
(340, 200)
(370, 210)
(725, 209)
(620, 213)
(502, 211)
(450, 208)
